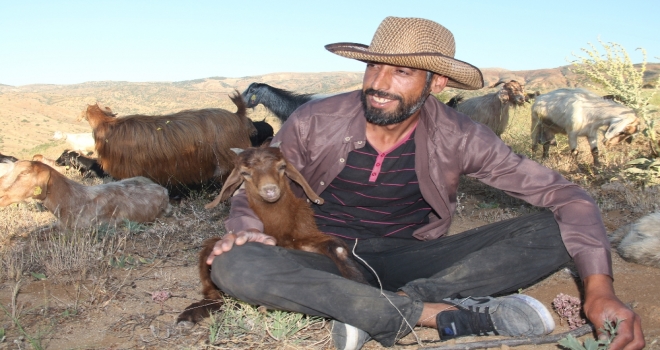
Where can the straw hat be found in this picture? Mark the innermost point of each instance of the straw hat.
(416, 43)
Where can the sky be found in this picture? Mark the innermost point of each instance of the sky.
(70, 42)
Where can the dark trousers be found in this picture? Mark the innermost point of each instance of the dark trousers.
(490, 260)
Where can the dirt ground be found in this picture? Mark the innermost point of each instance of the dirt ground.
(114, 309)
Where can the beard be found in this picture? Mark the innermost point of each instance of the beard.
(404, 110)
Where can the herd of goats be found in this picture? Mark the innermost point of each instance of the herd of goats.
(152, 158)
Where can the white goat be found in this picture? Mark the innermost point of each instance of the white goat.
(78, 142)
(639, 242)
(136, 199)
(579, 112)
(492, 109)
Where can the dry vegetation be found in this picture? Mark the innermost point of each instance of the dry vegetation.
(123, 286)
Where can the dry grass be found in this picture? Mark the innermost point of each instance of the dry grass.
(107, 264)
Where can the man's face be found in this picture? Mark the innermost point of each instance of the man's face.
(392, 94)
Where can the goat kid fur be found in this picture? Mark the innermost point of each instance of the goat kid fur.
(639, 242)
(184, 148)
(287, 218)
(136, 199)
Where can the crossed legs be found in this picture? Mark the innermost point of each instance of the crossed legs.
(495, 259)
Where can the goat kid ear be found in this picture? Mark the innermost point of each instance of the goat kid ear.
(43, 179)
(295, 176)
(234, 180)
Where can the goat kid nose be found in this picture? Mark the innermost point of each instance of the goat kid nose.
(270, 193)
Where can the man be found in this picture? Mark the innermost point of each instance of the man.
(387, 161)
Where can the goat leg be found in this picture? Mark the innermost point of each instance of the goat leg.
(546, 150)
(212, 301)
(337, 250)
(594, 153)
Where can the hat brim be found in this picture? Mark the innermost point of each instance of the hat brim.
(462, 75)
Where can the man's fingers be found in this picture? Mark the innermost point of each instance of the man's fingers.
(629, 335)
(241, 239)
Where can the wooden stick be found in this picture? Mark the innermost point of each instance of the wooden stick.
(511, 342)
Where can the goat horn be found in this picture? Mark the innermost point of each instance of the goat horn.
(276, 144)
(501, 81)
(237, 150)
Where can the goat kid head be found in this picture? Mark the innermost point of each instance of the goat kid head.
(264, 172)
(23, 180)
(512, 92)
(621, 130)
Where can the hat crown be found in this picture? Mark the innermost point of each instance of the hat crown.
(397, 35)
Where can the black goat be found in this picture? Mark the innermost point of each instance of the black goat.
(264, 132)
(279, 101)
(4, 158)
(454, 101)
(88, 167)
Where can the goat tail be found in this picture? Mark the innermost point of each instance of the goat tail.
(209, 289)
(241, 108)
(213, 299)
(241, 112)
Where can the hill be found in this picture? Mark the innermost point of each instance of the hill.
(30, 114)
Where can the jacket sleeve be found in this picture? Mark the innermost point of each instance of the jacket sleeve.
(241, 217)
(491, 161)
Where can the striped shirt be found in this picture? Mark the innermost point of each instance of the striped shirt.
(375, 195)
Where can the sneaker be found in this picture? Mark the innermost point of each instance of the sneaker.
(347, 337)
(512, 315)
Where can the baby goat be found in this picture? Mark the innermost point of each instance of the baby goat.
(75, 205)
(88, 167)
(289, 219)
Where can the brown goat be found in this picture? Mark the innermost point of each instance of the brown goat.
(51, 163)
(492, 109)
(185, 148)
(289, 219)
(75, 205)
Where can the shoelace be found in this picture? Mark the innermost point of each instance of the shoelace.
(480, 322)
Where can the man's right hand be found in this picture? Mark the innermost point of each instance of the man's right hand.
(240, 238)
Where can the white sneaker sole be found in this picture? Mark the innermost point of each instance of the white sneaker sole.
(541, 310)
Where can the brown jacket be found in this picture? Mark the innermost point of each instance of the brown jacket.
(318, 136)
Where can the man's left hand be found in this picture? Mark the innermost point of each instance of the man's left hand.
(601, 305)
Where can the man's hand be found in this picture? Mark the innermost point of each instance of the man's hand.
(601, 304)
(240, 238)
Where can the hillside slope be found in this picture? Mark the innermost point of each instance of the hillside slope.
(30, 114)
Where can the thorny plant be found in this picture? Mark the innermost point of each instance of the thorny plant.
(609, 329)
